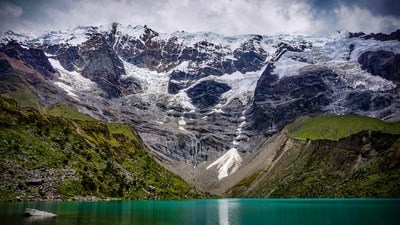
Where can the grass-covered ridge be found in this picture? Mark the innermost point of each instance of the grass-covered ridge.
(54, 157)
(365, 164)
(334, 127)
(67, 111)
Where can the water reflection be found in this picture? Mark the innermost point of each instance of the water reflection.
(39, 220)
(210, 212)
(223, 212)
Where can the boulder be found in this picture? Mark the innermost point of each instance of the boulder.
(34, 182)
(34, 212)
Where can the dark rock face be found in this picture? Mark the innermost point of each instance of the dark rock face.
(5, 67)
(100, 64)
(382, 63)
(367, 101)
(35, 58)
(360, 101)
(279, 101)
(206, 94)
(147, 52)
(379, 36)
(67, 56)
(130, 86)
(96, 60)
(18, 75)
(249, 57)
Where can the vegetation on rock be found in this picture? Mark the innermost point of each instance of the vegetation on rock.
(331, 156)
(333, 127)
(55, 157)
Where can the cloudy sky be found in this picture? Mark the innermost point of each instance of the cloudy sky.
(221, 16)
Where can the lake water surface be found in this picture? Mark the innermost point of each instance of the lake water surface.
(211, 211)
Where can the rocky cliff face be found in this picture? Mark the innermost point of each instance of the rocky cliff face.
(194, 97)
(34, 58)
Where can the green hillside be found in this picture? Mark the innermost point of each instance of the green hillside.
(20, 87)
(53, 157)
(332, 127)
(330, 157)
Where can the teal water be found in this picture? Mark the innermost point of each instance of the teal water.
(211, 211)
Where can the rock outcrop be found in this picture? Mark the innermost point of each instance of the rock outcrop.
(279, 101)
(395, 35)
(34, 58)
(382, 63)
(206, 94)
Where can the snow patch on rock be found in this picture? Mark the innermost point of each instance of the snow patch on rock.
(340, 54)
(227, 164)
(182, 123)
(72, 82)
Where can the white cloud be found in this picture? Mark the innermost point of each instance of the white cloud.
(357, 19)
(239, 16)
(9, 10)
(221, 16)
(9, 15)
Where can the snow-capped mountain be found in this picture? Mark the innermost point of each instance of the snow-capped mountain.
(205, 98)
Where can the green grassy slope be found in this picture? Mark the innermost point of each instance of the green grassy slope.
(332, 127)
(17, 86)
(50, 157)
(361, 159)
(63, 109)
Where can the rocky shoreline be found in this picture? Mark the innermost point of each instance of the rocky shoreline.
(64, 199)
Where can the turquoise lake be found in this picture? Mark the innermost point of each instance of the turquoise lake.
(211, 211)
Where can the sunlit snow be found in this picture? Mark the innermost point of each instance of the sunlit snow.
(333, 53)
(182, 123)
(72, 37)
(154, 82)
(228, 163)
(73, 81)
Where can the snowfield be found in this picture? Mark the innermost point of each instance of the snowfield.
(73, 82)
(227, 164)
